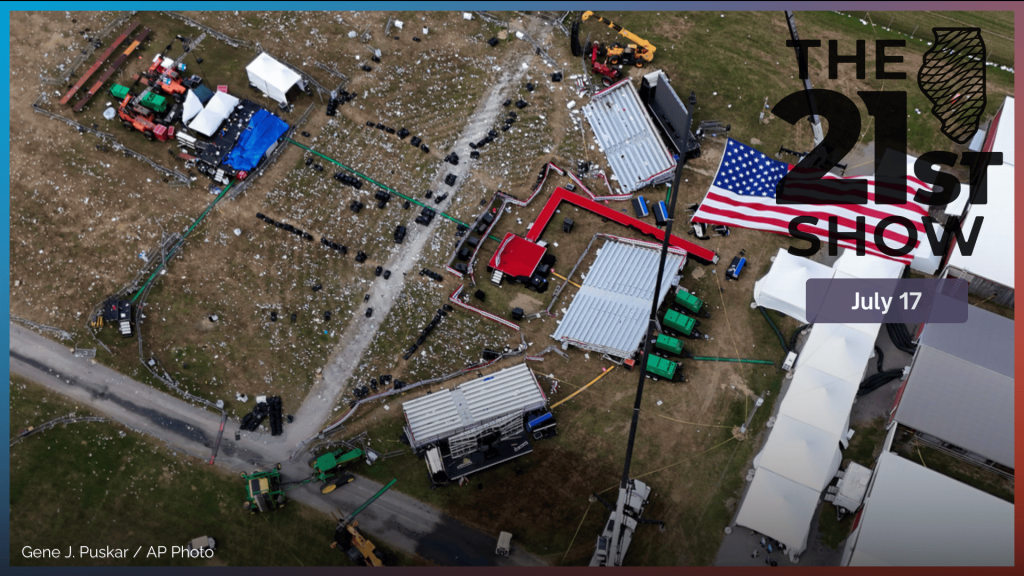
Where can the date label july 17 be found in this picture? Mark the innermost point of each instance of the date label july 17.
(876, 300)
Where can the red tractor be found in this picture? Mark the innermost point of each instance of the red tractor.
(135, 116)
(608, 74)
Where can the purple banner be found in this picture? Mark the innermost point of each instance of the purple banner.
(878, 300)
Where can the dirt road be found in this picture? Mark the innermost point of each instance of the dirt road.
(395, 518)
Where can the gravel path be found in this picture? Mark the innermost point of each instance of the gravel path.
(312, 416)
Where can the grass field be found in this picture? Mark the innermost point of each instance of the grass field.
(100, 484)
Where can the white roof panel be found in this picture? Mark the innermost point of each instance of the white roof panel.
(611, 309)
(446, 412)
(918, 517)
(1004, 138)
(628, 137)
(992, 258)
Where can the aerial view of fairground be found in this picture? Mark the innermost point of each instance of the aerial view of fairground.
(498, 288)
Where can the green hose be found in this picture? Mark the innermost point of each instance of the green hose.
(739, 360)
(177, 246)
(375, 183)
(782, 339)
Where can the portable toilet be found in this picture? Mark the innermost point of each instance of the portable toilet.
(688, 301)
(661, 213)
(640, 207)
(669, 344)
(679, 322)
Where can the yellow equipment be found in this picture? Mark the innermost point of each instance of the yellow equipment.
(361, 547)
(637, 54)
(346, 535)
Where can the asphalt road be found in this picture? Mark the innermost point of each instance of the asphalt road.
(400, 521)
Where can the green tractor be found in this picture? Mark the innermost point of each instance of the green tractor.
(691, 304)
(263, 490)
(329, 468)
(677, 323)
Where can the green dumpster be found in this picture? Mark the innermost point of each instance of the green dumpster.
(669, 344)
(679, 322)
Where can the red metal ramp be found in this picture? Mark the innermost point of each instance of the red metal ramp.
(562, 195)
(113, 68)
(99, 62)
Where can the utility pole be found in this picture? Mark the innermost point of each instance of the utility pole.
(801, 56)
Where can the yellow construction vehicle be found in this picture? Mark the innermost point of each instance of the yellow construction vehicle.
(348, 538)
(359, 549)
(637, 54)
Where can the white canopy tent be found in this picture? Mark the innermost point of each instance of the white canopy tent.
(192, 107)
(217, 110)
(780, 507)
(820, 400)
(838, 350)
(801, 453)
(272, 77)
(784, 288)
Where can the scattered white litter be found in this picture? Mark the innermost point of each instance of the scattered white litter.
(238, 231)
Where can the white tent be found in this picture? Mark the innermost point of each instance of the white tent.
(273, 78)
(192, 107)
(820, 400)
(206, 123)
(867, 266)
(914, 516)
(780, 508)
(217, 110)
(222, 104)
(838, 350)
(784, 288)
(800, 452)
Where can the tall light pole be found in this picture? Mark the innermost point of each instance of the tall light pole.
(614, 558)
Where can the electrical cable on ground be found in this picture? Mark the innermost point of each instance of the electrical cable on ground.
(731, 438)
(577, 531)
(694, 423)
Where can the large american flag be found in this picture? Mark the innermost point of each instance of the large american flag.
(743, 194)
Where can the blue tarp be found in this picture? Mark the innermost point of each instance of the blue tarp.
(203, 93)
(264, 129)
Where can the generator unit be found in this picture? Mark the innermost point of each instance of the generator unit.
(691, 303)
(681, 324)
(658, 367)
(670, 345)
